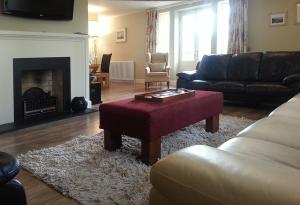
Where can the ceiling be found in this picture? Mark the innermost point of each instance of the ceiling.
(122, 7)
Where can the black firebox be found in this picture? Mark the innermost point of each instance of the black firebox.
(42, 88)
(37, 102)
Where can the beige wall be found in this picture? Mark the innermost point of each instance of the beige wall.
(135, 46)
(263, 37)
(78, 24)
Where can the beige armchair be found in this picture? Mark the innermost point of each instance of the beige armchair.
(156, 69)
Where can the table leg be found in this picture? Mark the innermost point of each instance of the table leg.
(112, 141)
(151, 151)
(108, 81)
(212, 124)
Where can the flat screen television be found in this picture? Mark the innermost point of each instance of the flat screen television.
(41, 9)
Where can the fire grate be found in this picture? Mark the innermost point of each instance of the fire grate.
(37, 102)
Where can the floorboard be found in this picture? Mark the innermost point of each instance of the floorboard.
(54, 133)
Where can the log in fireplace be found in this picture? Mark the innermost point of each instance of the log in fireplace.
(37, 102)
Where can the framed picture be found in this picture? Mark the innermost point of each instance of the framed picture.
(298, 13)
(278, 19)
(121, 35)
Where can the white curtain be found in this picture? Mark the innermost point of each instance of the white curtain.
(238, 26)
(152, 17)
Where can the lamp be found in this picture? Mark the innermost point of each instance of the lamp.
(99, 26)
(94, 31)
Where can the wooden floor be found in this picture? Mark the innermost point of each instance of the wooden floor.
(55, 133)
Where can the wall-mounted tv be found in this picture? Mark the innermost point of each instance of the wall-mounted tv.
(42, 9)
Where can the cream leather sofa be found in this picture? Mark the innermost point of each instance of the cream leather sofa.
(259, 167)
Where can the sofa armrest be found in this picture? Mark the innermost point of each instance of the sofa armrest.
(291, 79)
(168, 70)
(187, 75)
(206, 175)
(147, 70)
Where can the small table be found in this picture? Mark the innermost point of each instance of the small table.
(103, 77)
(149, 121)
(95, 93)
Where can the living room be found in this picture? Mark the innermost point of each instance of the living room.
(86, 117)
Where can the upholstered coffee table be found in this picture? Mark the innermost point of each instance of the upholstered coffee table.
(149, 121)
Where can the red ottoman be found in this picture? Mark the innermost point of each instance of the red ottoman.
(150, 121)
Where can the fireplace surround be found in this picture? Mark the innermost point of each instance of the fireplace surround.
(22, 44)
(51, 75)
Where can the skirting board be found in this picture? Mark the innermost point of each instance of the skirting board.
(89, 103)
(12, 126)
(15, 44)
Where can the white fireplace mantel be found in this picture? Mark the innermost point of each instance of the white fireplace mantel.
(18, 44)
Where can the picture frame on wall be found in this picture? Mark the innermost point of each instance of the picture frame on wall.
(121, 35)
(298, 13)
(278, 19)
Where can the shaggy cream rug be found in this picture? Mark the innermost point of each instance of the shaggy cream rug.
(83, 170)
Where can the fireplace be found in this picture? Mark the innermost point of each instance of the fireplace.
(42, 88)
(36, 102)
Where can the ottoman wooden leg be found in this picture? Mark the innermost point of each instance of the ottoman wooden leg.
(112, 141)
(151, 151)
(212, 124)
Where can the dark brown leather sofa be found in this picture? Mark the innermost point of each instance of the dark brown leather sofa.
(270, 77)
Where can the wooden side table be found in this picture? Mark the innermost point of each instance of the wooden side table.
(94, 68)
(95, 93)
(103, 78)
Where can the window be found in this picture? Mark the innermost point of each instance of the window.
(223, 27)
(187, 37)
(205, 21)
(197, 31)
(163, 32)
(195, 41)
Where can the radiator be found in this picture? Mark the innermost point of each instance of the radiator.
(121, 70)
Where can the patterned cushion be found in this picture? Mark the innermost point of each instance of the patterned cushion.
(157, 67)
(159, 58)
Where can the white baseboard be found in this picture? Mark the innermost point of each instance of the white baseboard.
(89, 103)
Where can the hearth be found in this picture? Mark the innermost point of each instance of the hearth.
(42, 88)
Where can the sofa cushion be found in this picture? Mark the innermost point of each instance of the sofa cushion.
(157, 67)
(263, 150)
(214, 67)
(290, 109)
(244, 67)
(277, 65)
(158, 57)
(290, 79)
(229, 87)
(268, 89)
(187, 75)
(295, 86)
(198, 66)
(157, 74)
(205, 175)
(200, 85)
(280, 130)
